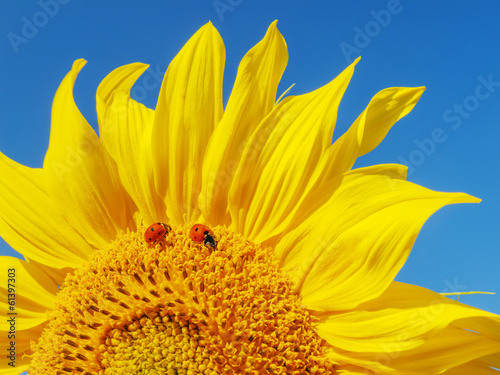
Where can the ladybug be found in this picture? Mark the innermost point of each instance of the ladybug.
(155, 232)
(201, 233)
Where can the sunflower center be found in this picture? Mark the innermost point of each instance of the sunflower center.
(180, 307)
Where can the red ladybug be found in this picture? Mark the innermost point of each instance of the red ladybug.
(156, 232)
(201, 233)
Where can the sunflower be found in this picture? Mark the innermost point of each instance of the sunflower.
(267, 253)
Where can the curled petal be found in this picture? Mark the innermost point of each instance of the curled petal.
(122, 78)
(81, 176)
(384, 110)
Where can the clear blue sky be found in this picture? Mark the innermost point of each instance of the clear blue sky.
(451, 47)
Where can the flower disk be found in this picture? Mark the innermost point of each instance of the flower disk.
(180, 308)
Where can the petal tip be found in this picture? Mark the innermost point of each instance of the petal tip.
(78, 64)
(209, 26)
(475, 199)
(464, 198)
(272, 30)
(208, 32)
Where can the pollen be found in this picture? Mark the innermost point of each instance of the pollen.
(180, 307)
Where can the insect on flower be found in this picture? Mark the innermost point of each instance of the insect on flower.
(156, 232)
(201, 233)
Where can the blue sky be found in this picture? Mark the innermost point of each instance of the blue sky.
(449, 140)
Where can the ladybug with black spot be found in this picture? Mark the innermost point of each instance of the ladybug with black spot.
(202, 234)
(156, 232)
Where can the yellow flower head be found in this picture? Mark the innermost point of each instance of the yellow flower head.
(192, 239)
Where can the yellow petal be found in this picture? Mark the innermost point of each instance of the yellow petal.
(384, 110)
(82, 177)
(126, 133)
(289, 254)
(355, 370)
(450, 351)
(367, 132)
(57, 275)
(35, 287)
(369, 129)
(280, 157)
(252, 98)
(28, 293)
(22, 349)
(492, 360)
(122, 78)
(412, 330)
(319, 196)
(350, 249)
(189, 106)
(450, 348)
(472, 367)
(404, 316)
(22, 360)
(30, 222)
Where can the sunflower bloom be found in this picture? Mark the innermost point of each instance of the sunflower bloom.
(293, 272)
